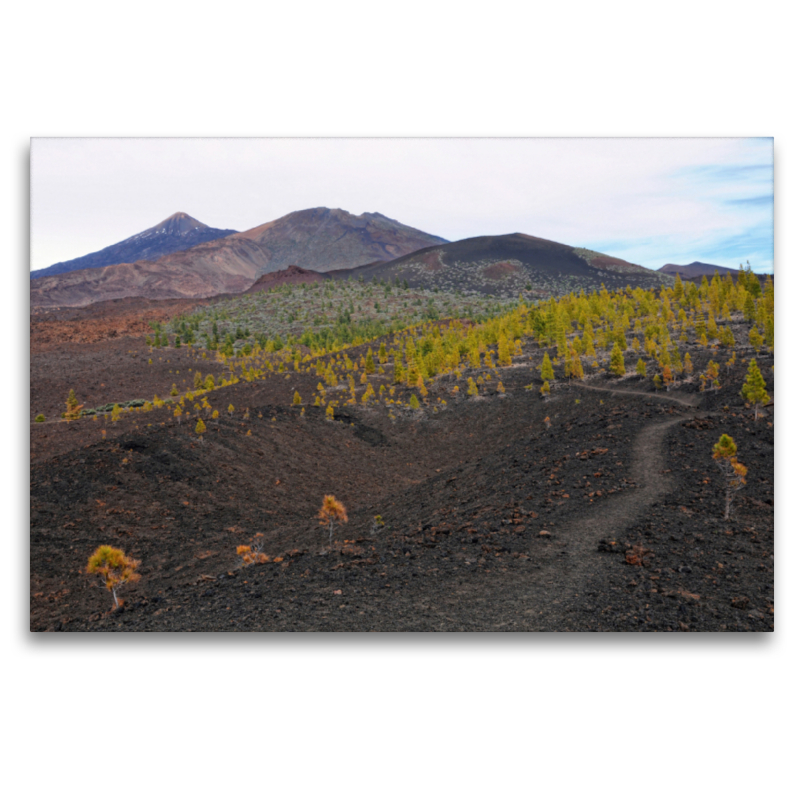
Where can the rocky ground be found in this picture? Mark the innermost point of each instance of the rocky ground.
(609, 517)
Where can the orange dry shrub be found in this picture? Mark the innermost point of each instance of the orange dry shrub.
(638, 556)
(252, 553)
(332, 511)
(114, 568)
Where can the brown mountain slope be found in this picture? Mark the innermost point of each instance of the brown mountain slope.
(224, 265)
(291, 275)
(321, 239)
(325, 239)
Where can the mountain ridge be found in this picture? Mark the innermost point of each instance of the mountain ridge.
(320, 239)
(176, 233)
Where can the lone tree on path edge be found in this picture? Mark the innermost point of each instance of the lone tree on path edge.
(724, 453)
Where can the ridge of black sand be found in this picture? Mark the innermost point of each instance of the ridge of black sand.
(464, 550)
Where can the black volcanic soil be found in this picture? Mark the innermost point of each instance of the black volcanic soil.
(507, 265)
(466, 495)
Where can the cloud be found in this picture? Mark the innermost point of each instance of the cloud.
(762, 200)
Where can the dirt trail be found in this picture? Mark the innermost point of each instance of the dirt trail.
(674, 397)
(556, 589)
(562, 581)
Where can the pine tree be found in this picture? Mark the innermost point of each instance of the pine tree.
(699, 327)
(472, 389)
(756, 339)
(200, 428)
(545, 390)
(173, 391)
(369, 366)
(297, 400)
(641, 368)
(198, 380)
(754, 388)
(329, 412)
(749, 308)
(332, 511)
(687, 364)
(588, 340)
(500, 388)
(114, 569)
(724, 453)
(231, 409)
(712, 372)
(617, 361)
(577, 367)
(503, 351)
(382, 357)
(546, 372)
(73, 407)
(678, 288)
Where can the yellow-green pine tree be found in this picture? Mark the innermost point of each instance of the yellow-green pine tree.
(546, 371)
(617, 365)
(754, 389)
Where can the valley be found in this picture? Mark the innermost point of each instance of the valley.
(481, 493)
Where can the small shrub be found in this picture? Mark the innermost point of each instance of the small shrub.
(377, 524)
(252, 553)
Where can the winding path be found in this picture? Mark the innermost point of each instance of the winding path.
(563, 578)
(550, 594)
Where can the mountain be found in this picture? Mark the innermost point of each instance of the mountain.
(325, 239)
(175, 233)
(507, 265)
(320, 239)
(696, 270)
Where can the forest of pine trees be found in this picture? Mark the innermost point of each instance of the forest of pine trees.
(602, 333)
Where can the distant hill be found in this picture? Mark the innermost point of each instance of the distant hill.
(320, 239)
(696, 270)
(174, 234)
(292, 275)
(508, 265)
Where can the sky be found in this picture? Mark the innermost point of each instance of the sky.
(650, 201)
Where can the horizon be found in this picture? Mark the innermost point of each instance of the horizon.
(649, 201)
